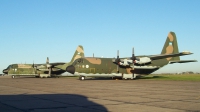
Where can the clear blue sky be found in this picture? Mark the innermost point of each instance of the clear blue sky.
(31, 30)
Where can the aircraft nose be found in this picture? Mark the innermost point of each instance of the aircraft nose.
(5, 71)
(70, 69)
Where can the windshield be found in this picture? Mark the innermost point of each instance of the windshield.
(8, 67)
(77, 61)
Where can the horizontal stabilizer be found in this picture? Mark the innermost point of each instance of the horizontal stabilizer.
(161, 56)
(182, 61)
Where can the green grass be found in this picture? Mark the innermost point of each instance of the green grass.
(177, 77)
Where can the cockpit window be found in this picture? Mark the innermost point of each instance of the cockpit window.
(77, 61)
(80, 60)
(8, 67)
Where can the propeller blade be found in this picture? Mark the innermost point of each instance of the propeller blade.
(47, 61)
(133, 58)
(34, 68)
(117, 61)
(133, 55)
(33, 65)
(50, 69)
(117, 54)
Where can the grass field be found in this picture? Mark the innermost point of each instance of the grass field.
(176, 77)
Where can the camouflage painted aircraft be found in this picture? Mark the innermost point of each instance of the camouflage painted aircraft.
(42, 70)
(129, 68)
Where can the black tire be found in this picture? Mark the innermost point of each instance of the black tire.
(82, 78)
(13, 76)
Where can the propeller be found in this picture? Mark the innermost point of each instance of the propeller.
(125, 62)
(134, 59)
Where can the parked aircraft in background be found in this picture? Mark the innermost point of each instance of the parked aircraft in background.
(42, 70)
(129, 68)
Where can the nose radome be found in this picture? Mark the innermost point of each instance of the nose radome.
(70, 69)
(5, 71)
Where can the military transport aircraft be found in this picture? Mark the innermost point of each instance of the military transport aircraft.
(129, 68)
(42, 70)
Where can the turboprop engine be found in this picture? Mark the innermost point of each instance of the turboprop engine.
(127, 62)
(139, 61)
(143, 60)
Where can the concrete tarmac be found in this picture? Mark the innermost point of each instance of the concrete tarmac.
(72, 95)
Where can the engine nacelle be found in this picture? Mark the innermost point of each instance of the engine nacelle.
(48, 65)
(125, 62)
(143, 60)
(139, 61)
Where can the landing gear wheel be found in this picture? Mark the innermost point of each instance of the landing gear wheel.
(13, 76)
(82, 78)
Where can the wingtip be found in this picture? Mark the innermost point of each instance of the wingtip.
(186, 52)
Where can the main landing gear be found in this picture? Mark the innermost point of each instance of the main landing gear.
(81, 78)
(13, 76)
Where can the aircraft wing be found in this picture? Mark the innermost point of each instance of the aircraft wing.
(161, 56)
(52, 64)
(182, 61)
(55, 64)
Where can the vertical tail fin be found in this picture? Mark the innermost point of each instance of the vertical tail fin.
(78, 53)
(171, 46)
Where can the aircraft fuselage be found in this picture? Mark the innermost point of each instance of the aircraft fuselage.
(106, 66)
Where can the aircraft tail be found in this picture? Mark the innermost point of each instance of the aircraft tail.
(78, 53)
(171, 46)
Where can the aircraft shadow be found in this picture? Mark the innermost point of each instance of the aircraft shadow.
(48, 103)
(153, 77)
(98, 78)
(138, 78)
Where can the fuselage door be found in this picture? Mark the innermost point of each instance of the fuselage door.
(92, 70)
